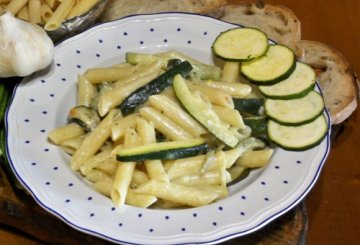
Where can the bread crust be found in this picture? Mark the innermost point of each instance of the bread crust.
(117, 9)
(278, 22)
(336, 78)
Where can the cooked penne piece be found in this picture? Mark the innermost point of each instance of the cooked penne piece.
(154, 168)
(113, 98)
(71, 145)
(46, 12)
(231, 71)
(177, 193)
(15, 6)
(82, 7)
(59, 15)
(174, 112)
(212, 94)
(86, 91)
(23, 13)
(141, 71)
(53, 4)
(207, 178)
(229, 115)
(239, 90)
(35, 11)
(104, 186)
(139, 177)
(164, 125)
(108, 74)
(94, 141)
(120, 126)
(60, 134)
(139, 200)
(108, 167)
(96, 175)
(255, 159)
(124, 172)
(94, 161)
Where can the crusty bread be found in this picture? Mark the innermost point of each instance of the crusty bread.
(278, 22)
(119, 8)
(336, 79)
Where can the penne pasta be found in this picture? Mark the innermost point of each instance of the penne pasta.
(94, 141)
(86, 91)
(164, 125)
(174, 112)
(35, 11)
(71, 145)
(154, 168)
(109, 74)
(113, 98)
(15, 6)
(82, 7)
(124, 172)
(59, 135)
(212, 94)
(177, 193)
(239, 90)
(23, 13)
(59, 15)
(46, 12)
(231, 71)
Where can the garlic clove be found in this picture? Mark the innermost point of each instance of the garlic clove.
(24, 47)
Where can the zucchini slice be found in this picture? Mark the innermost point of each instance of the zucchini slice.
(276, 65)
(298, 84)
(298, 138)
(296, 111)
(203, 113)
(252, 106)
(140, 95)
(86, 117)
(163, 150)
(240, 44)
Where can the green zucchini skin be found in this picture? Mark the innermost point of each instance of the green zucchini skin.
(258, 125)
(291, 108)
(274, 80)
(164, 154)
(139, 96)
(252, 106)
(297, 85)
(298, 134)
(237, 39)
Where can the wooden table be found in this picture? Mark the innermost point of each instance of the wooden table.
(334, 203)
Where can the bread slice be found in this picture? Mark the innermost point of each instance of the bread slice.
(278, 22)
(336, 78)
(119, 8)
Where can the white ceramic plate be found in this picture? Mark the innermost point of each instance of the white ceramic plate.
(41, 103)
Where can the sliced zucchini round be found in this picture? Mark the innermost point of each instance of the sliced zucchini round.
(296, 111)
(298, 138)
(239, 44)
(277, 64)
(298, 84)
(163, 150)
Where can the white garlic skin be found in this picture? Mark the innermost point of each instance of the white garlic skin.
(24, 47)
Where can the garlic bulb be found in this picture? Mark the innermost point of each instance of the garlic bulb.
(24, 47)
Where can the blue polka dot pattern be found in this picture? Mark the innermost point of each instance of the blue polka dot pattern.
(41, 103)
